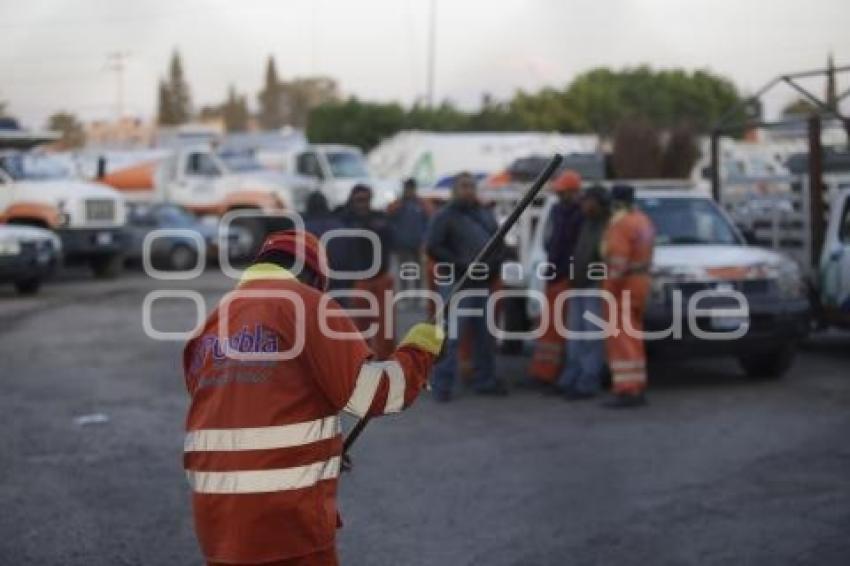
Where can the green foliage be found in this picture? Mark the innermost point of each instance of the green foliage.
(271, 116)
(71, 129)
(174, 101)
(235, 112)
(597, 101)
(353, 122)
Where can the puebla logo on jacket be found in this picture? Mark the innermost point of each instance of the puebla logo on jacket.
(257, 340)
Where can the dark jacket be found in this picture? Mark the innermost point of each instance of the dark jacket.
(565, 221)
(318, 225)
(587, 251)
(409, 221)
(358, 252)
(458, 232)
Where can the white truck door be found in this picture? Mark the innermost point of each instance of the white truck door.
(197, 174)
(835, 260)
(309, 176)
(7, 188)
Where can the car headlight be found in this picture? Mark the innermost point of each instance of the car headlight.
(788, 278)
(10, 247)
(664, 277)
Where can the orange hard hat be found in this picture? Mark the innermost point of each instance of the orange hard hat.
(303, 245)
(569, 180)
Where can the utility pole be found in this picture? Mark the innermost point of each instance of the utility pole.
(432, 51)
(116, 61)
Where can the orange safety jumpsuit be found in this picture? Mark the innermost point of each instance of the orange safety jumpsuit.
(263, 438)
(627, 249)
(549, 350)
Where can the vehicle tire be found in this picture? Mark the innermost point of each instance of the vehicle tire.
(107, 267)
(514, 319)
(28, 286)
(769, 365)
(182, 257)
(255, 228)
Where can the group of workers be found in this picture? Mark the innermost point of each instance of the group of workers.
(263, 446)
(599, 245)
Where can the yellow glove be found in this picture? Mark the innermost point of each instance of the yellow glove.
(426, 337)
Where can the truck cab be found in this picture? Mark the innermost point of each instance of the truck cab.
(333, 170)
(42, 191)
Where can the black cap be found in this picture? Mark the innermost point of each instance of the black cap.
(623, 193)
(598, 193)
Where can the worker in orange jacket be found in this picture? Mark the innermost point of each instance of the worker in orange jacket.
(627, 250)
(563, 227)
(268, 375)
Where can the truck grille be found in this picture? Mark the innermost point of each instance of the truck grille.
(99, 210)
(748, 287)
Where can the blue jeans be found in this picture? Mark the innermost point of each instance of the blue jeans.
(483, 347)
(585, 358)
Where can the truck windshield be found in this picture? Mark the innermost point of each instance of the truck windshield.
(240, 161)
(23, 167)
(347, 164)
(680, 221)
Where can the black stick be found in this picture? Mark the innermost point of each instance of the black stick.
(494, 242)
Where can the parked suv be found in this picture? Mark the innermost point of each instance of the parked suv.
(27, 256)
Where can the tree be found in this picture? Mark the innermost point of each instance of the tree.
(800, 108)
(637, 151)
(271, 115)
(235, 112)
(174, 98)
(71, 129)
(358, 123)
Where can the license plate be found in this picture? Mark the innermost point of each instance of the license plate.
(104, 238)
(728, 323)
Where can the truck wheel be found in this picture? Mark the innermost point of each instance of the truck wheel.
(28, 286)
(182, 257)
(769, 365)
(107, 267)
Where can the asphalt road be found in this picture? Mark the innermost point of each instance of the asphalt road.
(718, 470)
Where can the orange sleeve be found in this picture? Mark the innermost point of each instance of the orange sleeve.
(351, 380)
(617, 249)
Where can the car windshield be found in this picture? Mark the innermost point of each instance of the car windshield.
(680, 221)
(347, 164)
(24, 167)
(173, 216)
(240, 162)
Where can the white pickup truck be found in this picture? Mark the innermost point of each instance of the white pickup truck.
(40, 190)
(332, 169)
(697, 248)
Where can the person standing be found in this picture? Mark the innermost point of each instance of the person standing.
(408, 217)
(627, 249)
(564, 223)
(458, 232)
(361, 255)
(319, 220)
(263, 445)
(581, 377)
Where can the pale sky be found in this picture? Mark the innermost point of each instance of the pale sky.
(53, 53)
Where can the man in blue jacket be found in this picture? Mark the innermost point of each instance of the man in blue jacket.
(458, 232)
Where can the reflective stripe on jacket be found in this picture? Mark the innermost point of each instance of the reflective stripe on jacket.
(263, 444)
